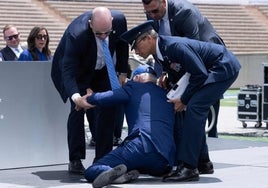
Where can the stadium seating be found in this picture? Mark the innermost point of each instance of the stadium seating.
(26, 14)
(264, 9)
(244, 28)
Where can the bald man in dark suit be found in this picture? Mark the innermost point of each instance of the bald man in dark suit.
(79, 64)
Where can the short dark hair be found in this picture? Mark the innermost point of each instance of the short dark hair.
(146, 2)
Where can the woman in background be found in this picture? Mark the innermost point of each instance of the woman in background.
(38, 50)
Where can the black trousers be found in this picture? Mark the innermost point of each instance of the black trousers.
(104, 132)
(104, 118)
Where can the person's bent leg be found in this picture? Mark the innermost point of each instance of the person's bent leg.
(193, 131)
(205, 166)
(213, 132)
(119, 121)
(92, 121)
(116, 157)
(177, 133)
(76, 140)
(104, 131)
(146, 161)
(130, 153)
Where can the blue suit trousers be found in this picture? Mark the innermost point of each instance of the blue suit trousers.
(132, 154)
(192, 141)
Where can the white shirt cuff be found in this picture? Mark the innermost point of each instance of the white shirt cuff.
(75, 96)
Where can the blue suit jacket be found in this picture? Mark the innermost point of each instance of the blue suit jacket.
(205, 61)
(185, 20)
(27, 56)
(74, 61)
(148, 114)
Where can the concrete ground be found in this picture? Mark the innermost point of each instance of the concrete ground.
(238, 163)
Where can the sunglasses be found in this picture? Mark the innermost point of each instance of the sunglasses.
(41, 37)
(155, 11)
(12, 36)
(103, 33)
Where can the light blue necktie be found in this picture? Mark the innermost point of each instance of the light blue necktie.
(162, 28)
(17, 50)
(110, 66)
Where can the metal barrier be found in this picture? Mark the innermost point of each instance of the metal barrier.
(32, 117)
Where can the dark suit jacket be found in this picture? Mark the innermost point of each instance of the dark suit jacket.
(8, 54)
(74, 61)
(148, 114)
(185, 20)
(205, 61)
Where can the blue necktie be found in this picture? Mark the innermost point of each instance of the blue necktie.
(17, 50)
(110, 66)
(162, 28)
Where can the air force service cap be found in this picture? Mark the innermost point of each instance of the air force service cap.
(133, 34)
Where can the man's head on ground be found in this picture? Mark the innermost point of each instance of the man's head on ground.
(11, 36)
(155, 9)
(101, 22)
(142, 39)
(144, 73)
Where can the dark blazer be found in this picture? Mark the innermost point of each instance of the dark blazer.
(74, 61)
(8, 54)
(144, 116)
(205, 61)
(185, 20)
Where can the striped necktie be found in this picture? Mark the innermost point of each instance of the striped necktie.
(110, 66)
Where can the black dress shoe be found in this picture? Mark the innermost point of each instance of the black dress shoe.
(205, 168)
(76, 167)
(171, 173)
(183, 174)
